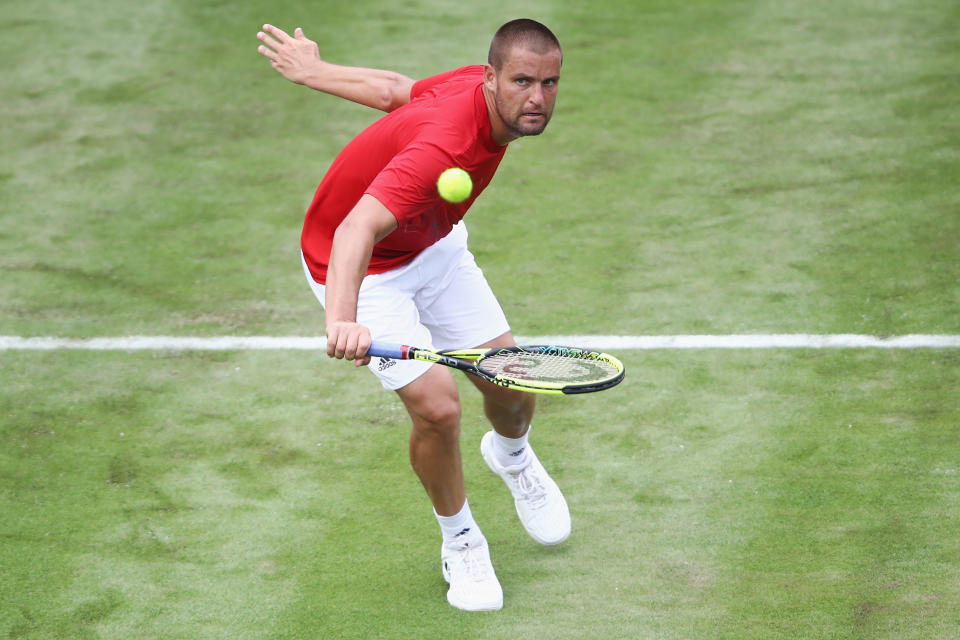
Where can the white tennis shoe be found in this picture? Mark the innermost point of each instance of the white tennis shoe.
(467, 567)
(540, 504)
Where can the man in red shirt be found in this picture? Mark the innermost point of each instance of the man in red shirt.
(388, 257)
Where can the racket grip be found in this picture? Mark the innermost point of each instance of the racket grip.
(388, 350)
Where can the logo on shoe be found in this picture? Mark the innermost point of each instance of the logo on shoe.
(518, 452)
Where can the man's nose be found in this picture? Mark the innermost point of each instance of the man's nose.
(536, 96)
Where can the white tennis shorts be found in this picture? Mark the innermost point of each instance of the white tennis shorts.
(440, 300)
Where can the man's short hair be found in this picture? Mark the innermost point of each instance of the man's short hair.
(524, 32)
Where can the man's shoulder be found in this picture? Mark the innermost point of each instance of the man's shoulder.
(449, 119)
(447, 83)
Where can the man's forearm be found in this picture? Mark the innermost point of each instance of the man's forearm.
(366, 224)
(349, 258)
(353, 241)
(377, 88)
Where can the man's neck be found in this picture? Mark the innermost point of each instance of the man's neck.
(498, 129)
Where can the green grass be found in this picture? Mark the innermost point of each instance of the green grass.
(737, 495)
(715, 167)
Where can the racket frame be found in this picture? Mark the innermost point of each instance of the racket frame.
(470, 361)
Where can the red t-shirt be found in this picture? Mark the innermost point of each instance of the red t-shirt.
(397, 160)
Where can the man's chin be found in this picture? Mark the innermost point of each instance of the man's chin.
(529, 130)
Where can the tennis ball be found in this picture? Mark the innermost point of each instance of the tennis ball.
(454, 185)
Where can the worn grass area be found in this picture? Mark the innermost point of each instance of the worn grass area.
(748, 495)
(717, 167)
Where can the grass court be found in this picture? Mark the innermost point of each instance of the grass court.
(711, 168)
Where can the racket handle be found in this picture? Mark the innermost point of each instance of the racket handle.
(388, 350)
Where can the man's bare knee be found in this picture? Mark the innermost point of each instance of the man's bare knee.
(439, 417)
(433, 403)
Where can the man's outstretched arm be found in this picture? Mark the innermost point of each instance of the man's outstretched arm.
(298, 60)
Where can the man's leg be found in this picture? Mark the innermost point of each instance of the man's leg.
(508, 410)
(539, 502)
(387, 307)
(433, 403)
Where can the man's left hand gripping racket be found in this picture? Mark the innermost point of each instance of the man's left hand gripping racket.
(537, 369)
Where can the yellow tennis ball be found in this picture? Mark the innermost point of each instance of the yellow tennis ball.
(454, 185)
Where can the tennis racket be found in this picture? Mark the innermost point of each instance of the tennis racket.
(538, 369)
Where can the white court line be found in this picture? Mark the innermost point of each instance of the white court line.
(749, 341)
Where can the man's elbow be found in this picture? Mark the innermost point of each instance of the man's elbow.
(381, 98)
(396, 92)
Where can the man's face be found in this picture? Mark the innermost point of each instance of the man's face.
(525, 90)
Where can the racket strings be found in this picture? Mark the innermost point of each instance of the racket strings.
(546, 367)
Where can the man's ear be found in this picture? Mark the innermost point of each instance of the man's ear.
(489, 78)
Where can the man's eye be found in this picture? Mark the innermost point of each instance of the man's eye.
(522, 81)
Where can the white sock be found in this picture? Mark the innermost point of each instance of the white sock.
(511, 452)
(460, 524)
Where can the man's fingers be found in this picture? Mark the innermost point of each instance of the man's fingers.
(336, 345)
(269, 46)
(272, 43)
(363, 345)
(276, 32)
(353, 350)
(349, 341)
(298, 33)
(267, 52)
(333, 337)
(342, 345)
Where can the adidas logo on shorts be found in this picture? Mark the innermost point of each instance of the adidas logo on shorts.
(385, 363)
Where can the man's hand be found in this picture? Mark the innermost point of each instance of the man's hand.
(295, 58)
(348, 340)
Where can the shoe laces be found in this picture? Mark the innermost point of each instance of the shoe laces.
(474, 562)
(531, 487)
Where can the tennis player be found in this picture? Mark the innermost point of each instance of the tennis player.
(388, 259)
